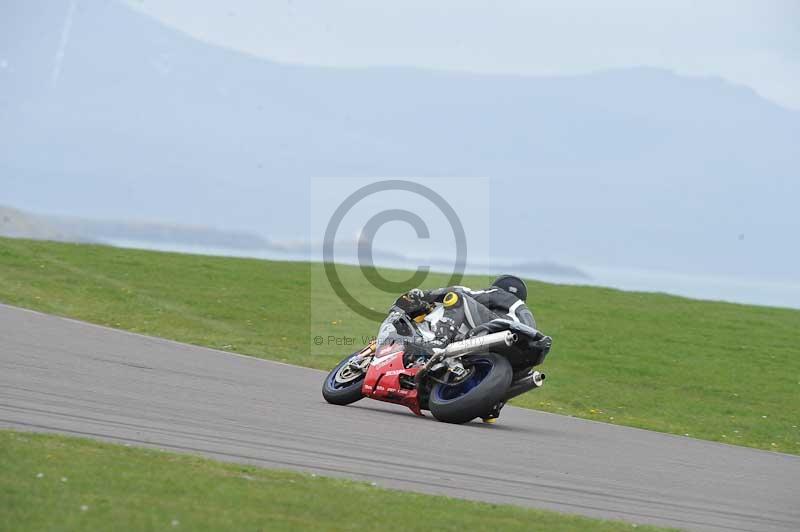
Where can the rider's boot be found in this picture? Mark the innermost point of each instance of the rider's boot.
(494, 413)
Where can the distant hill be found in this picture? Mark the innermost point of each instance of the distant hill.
(17, 224)
(634, 168)
(184, 238)
(110, 231)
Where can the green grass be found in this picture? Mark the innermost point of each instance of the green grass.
(59, 483)
(717, 371)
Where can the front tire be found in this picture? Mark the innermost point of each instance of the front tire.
(477, 395)
(341, 387)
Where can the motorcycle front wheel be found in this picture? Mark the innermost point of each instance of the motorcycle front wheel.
(342, 386)
(475, 396)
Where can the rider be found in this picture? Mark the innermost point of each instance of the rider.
(464, 309)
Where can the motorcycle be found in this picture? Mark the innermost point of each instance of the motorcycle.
(467, 379)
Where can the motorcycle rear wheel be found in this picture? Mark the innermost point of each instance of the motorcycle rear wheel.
(477, 395)
(341, 387)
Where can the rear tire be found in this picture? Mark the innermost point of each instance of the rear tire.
(337, 392)
(476, 396)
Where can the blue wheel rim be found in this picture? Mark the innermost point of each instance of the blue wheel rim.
(449, 393)
(333, 383)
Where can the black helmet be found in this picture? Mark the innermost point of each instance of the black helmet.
(512, 284)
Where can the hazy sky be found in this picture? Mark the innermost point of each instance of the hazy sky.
(755, 43)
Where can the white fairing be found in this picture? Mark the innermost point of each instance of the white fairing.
(428, 327)
(435, 315)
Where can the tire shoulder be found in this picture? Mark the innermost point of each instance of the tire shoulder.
(471, 406)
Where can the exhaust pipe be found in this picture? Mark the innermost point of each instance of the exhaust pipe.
(480, 343)
(469, 345)
(525, 384)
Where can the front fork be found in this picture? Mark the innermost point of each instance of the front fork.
(361, 361)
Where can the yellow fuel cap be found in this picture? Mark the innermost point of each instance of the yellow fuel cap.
(450, 299)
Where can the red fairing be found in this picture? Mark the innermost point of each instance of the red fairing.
(382, 381)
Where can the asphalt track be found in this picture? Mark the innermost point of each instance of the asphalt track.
(60, 375)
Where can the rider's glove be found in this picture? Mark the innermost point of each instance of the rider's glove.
(412, 303)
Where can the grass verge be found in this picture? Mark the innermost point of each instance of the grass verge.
(59, 483)
(717, 371)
